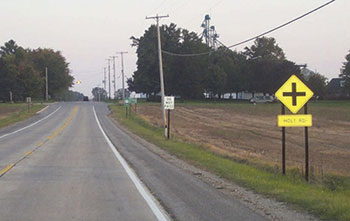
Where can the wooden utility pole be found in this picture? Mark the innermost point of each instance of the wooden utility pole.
(47, 85)
(157, 18)
(114, 82)
(109, 79)
(122, 57)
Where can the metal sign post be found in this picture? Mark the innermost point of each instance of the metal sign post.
(126, 104)
(306, 148)
(294, 94)
(169, 104)
(283, 145)
(168, 125)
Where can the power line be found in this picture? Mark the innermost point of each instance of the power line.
(258, 36)
(283, 25)
(185, 55)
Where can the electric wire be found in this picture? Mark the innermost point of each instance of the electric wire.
(283, 25)
(257, 36)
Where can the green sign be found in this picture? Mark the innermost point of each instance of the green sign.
(132, 100)
(129, 101)
(126, 102)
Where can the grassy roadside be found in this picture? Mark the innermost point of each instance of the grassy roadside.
(328, 200)
(14, 113)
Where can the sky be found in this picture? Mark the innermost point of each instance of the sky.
(87, 32)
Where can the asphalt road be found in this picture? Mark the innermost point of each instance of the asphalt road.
(66, 167)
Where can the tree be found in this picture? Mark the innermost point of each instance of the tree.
(99, 94)
(317, 84)
(59, 79)
(265, 48)
(345, 74)
(9, 48)
(22, 72)
(182, 76)
(268, 65)
(146, 77)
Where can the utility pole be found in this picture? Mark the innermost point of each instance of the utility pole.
(122, 53)
(11, 100)
(47, 86)
(104, 78)
(157, 17)
(109, 78)
(114, 82)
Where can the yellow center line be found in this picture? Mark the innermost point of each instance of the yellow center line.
(28, 153)
(53, 135)
(5, 170)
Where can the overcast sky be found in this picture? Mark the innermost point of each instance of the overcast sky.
(89, 31)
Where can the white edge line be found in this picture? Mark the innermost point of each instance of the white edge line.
(144, 193)
(5, 135)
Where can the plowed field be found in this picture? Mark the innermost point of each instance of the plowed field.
(250, 132)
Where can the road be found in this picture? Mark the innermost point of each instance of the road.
(69, 166)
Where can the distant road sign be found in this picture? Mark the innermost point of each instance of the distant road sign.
(169, 103)
(294, 94)
(132, 100)
(126, 102)
(295, 120)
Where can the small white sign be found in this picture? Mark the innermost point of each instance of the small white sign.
(169, 103)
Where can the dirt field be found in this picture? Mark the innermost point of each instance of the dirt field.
(8, 109)
(250, 132)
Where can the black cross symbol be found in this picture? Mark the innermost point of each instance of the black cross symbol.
(294, 94)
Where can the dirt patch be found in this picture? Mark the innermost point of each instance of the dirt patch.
(6, 110)
(254, 136)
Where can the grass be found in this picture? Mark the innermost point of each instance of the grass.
(13, 113)
(329, 199)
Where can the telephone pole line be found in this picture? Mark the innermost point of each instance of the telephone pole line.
(109, 78)
(47, 85)
(157, 18)
(122, 57)
(104, 78)
(114, 82)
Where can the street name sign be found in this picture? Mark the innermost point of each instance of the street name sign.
(294, 94)
(295, 120)
(169, 103)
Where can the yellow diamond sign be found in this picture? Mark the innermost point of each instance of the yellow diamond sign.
(294, 94)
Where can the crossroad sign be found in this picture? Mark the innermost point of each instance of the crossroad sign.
(169, 103)
(294, 94)
(300, 120)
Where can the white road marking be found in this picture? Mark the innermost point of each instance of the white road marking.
(5, 135)
(144, 193)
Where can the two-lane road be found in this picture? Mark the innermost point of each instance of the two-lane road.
(66, 168)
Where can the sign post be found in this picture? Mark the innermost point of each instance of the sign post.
(29, 102)
(134, 102)
(283, 144)
(169, 104)
(126, 104)
(294, 95)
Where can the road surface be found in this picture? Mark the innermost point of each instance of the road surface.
(66, 165)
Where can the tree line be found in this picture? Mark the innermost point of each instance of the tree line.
(262, 67)
(22, 73)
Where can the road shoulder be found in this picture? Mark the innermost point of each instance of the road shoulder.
(269, 208)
